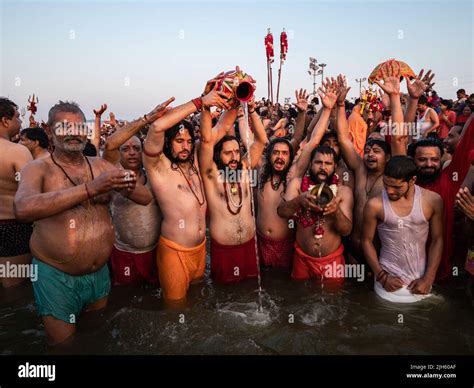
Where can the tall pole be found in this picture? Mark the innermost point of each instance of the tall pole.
(314, 71)
(360, 80)
(322, 65)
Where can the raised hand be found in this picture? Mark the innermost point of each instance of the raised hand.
(385, 98)
(102, 109)
(420, 85)
(301, 100)
(342, 89)
(112, 119)
(158, 111)
(215, 98)
(391, 78)
(327, 94)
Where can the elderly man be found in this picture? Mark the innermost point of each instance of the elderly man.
(67, 196)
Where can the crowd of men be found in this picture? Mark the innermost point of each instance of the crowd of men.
(140, 197)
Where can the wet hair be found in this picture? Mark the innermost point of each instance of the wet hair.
(267, 166)
(381, 143)
(171, 133)
(63, 107)
(429, 142)
(400, 167)
(220, 144)
(36, 134)
(423, 100)
(325, 150)
(7, 108)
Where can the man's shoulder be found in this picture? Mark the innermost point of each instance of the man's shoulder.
(431, 196)
(375, 203)
(8, 148)
(344, 191)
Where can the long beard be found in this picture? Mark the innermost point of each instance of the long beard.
(280, 173)
(316, 179)
(422, 178)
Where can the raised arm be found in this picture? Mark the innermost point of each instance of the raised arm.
(210, 136)
(260, 136)
(155, 138)
(208, 140)
(328, 97)
(313, 123)
(95, 141)
(302, 106)
(391, 87)
(415, 90)
(349, 153)
(122, 134)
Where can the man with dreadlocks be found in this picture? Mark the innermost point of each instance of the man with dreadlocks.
(171, 164)
(275, 236)
(227, 180)
(318, 247)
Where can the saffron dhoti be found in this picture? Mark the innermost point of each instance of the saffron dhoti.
(178, 266)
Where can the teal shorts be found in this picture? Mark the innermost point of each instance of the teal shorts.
(64, 296)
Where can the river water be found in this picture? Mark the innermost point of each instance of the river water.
(297, 318)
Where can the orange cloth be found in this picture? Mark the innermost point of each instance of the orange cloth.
(178, 267)
(358, 130)
(305, 266)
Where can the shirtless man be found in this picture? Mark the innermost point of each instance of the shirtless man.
(319, 228)
(14, 235)
(137, 227)
(67, 196)
(403, 215)
(227, 184)
(170, 159)
(36, 140)
(275, 236)
(368, 170)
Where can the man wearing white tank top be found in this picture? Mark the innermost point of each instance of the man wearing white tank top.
(402, 216)
(427, 120)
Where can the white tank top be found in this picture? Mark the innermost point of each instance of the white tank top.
(403, 251)
(422, 124)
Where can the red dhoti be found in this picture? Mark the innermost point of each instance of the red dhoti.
(275, 253)
(233, 263)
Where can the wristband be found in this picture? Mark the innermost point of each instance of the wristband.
(197, 103)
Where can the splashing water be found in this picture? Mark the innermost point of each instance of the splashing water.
(246, 115)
